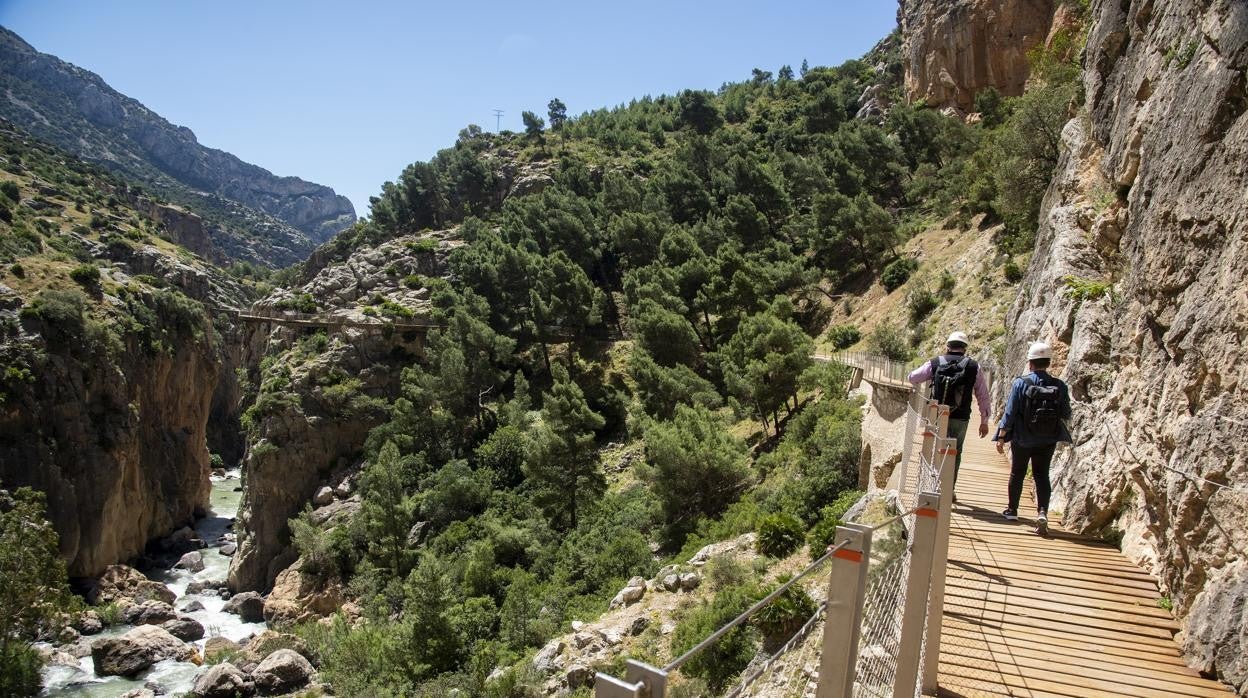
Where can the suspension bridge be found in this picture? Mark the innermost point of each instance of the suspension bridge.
(974, 605)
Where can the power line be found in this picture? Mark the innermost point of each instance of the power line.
(498, 119)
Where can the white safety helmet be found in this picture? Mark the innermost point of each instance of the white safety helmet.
(958, 338)
(1039, 350)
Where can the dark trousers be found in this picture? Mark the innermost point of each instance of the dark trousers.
(1039, 457)
(957, 429)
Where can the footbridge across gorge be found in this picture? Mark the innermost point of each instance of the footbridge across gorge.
(422, 324)
(966, 605)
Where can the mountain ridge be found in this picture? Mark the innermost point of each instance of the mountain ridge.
(71, 107)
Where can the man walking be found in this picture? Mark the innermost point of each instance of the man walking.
(1033, 424)
(955, 378)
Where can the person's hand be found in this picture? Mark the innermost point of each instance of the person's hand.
(983, 429)
(1000, 447)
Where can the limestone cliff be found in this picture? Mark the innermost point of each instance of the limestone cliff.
(320, 394)
(955, 48)
(1138, 281)
(109, 353)
(259, 216)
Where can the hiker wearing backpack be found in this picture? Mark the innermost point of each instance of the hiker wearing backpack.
(1033, 424)
(955, 378)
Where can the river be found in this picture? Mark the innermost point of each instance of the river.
(173, 677)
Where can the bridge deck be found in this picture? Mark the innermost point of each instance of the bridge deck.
(1059, 616)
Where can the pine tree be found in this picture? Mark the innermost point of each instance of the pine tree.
(387, 509)
(562, 462)
(558, 113)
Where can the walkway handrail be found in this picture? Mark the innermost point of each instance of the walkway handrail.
(710, 640)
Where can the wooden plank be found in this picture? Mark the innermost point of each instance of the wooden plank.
(1047, 583)
(1103, 611)
(1007, 661)
(1074, 653)
(1088, 597)
(1040, 684)
(1089, 626)
(1026, 631)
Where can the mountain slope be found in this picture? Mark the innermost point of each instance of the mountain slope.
(273, 219)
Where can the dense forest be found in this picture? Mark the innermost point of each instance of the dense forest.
(713, 230)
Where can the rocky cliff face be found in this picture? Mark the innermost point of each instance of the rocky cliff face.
(110, 380)
(1138, 281)
(76, 110)
(955, 48)
(319, 396)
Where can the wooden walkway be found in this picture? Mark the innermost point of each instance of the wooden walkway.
(1058, 616)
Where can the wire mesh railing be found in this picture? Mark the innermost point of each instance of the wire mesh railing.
(881, 617)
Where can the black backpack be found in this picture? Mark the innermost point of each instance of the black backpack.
(950, 380)
(1042, 408)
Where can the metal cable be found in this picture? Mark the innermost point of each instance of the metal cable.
(1129, 453)
(676, 663)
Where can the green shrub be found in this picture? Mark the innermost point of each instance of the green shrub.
(98, 222)
(85, 275)
(786, 614)
(18, 270)
(414, 281)
(1013, 273)
(720, 663)
(10, 189)
(843, 336)
(897, 273)
(423, 245)
(947, 283)
(60, 312)
(779, 535)
(888, 340)
(821, 535)
(920, 302)
(1086, 289)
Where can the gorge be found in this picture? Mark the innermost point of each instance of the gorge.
(616, 377)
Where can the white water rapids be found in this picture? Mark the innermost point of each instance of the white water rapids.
(173, 677)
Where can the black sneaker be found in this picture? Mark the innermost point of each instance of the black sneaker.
(1010, 515)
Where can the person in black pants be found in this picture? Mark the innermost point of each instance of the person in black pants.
(1033, 424)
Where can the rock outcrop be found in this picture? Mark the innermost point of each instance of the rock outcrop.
(138, 649)
(1156, 361)
(76, 110)
(955, 48)
(294, 452)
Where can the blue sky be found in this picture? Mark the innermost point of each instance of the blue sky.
(347, 94)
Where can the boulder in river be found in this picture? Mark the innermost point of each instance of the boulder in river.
(228, 549)
(121, 582)
(183, 628)
(217, 646)
(138, 649)
(223, 681)
(192, 561)
(268, 642)
(282, 672)
(249, 606)
(147, 613)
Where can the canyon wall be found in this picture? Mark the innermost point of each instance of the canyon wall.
(327, 391)
(954, 48)
(1138, 281)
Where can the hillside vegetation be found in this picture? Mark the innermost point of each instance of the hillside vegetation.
(519, 479)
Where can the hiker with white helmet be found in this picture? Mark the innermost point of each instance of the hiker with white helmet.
(955, 378)
(1033, 424)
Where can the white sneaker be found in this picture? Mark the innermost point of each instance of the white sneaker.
(1042, 517)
